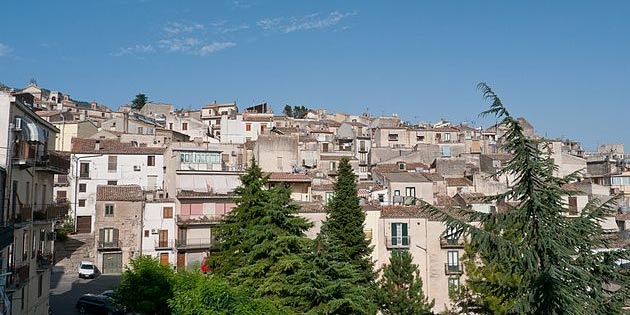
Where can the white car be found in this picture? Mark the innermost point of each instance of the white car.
(87, 269)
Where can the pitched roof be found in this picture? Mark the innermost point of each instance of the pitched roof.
(458, 181)
(406, 177)
(47, 113)
(336, 157)
(288, 177)
(406, 212)
(119, 193)
(111, 146)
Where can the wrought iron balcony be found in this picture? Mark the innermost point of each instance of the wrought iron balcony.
(109, 245)
(25, 214)
(393, 242)
(448, 243)
(453, 269)
(53, 162)
(194, 243)
(51, 212)
(44, 261)
(198, 219)
(19, 276)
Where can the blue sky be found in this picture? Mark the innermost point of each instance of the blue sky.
(564, 65)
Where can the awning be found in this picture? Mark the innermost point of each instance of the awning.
(609, 224)
(32, 133)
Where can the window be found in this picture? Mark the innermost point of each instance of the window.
(170, 126)
(82, 187)
(81, 202)
(447, 137)
(419, 138)
(40, 285)
(402, 166)
(279, 162)
(453, 286)
(184, 126)
(400, 235)
(140, 130)
(167, 212)
(573, 208)
(393, 137)
(61, 195)
(329, 196)
(112, 182)
(23, 298)
(33, 244)
(396, 192)
(332, 166)
(324, 147)
(381, 198)
(248, 127)
(28, 192)
(24, 245)
(112, 163)
(163, 238)
(108, 237)
(410, 191)
(147, 233)
(151, 160)
(452, 262)
(109, 209)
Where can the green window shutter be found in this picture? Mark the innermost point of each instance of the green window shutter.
(101, 235)
(115, 237)
(405, 235)
(394, 234)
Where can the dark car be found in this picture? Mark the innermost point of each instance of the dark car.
(98, 304)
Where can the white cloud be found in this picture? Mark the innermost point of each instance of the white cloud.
(232, 29)
(307, 22)
(133, 50)
(174, 28)
(5, 50)
(193, 46)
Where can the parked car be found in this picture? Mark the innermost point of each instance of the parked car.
(98, 304)
(108, 293)
(87, 269)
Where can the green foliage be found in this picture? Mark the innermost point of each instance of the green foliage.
(400, 288)
(196, 294)
(262, 239)
(554, 257)
(328, 283)
(288, 111)
(146, 286)
(139, 101)
(345, 222)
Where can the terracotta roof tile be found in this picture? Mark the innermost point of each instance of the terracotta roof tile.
(111, 146)
(406, 177)
(336, 157)
(394, 168)
(458, 181)
(288, 177)
(119, 193)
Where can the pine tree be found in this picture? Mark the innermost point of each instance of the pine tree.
(279, 240)
(562, 273)
(328, 284)
(139, 101)
(251, 201)
(400, 288)
(288, 110)
(345, 221)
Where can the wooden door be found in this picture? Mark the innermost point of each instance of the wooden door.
(164, 259)
(163, 238)
(84, 224)
(181, 261)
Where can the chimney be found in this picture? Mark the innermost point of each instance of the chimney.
(125, 122)
(97, 145)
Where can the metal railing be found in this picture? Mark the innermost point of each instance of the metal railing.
(165, 244)
(397, 241)
(109, 245)
(25, 214)
(199, 219)
(446, 242)
(51, 211)
(193, 243)
(453, 269)
(44, 261)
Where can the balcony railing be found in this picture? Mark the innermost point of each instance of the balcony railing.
(193, 243)
(453, 269)
(19, 276)
(25, 214)
(451, 242)
(184, 220)
(44, 261)
(51, 212)
(397, 241)
(53, 162)
(109, 245)
(165, 244)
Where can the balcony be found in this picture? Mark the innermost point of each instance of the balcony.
(25, 214)
(194, 243)
(109, 245)
(44, 261)
(54, 163)
(6, 236)
(453, 269)
(209, 219)
(363, 150)
(51, 212)
(164, 244)
(19, 277)
(363, 163)
(394, 242)
(451, 243)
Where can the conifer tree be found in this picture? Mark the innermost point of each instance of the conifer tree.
(328, 284)
(556, 256)
(345, 221)
(400, 288)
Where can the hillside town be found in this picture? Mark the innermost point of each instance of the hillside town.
(158, 180)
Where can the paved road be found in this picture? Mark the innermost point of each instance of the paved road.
(66, 288)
